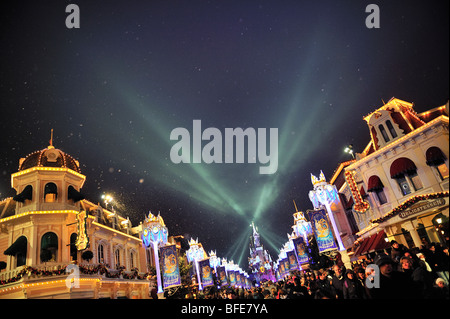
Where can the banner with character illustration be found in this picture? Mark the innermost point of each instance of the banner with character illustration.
(171, 271)
(293, 265)
(322, 230)
(205, 272)
(222, 275)
(300, 250)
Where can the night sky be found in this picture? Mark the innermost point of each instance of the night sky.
(114, 89)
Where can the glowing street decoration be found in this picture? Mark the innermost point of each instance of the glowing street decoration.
(302, 228)
(171, 270)
(293, 264)
(359, 205)
(222, 275)
(300, 250)
(322, 231)
(82, 241)
(195, 254)
(206, 274)
(323, 195)
(155, 234)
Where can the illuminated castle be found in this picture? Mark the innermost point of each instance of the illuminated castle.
(259, 261)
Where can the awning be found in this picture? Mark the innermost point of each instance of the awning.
(374, 184)
(19, 246)
(362, 247)
(379, 243)
(27, 193)
(74, 194)
(434, 156)
(402, 166)
(373, 243)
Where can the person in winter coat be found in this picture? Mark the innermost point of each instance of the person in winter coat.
(392, 284)
(324, 289)
(440, 290)
(397, 251)
(337, 281)
(352, 289)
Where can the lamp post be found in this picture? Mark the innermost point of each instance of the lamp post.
(213, 260)
(349, 150)
(325, 194)
(302, 228)
(155, 235)
(195, 254)
(107, 199)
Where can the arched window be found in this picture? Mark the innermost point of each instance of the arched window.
(50, 193)
(49, 247)
(404, 171)
(384, 133)
(374, 185)
(391, 129)
(436, 158)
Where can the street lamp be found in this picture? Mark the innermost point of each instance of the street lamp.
(195, 254)
(325, 194)
(213, 260)
(155, 234)
(349, 150)
(107, 199)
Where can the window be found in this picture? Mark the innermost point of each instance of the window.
(49, 247)
(50, 193)
(415, 180)
(443, 171)
(100, 255)
(384, 133)
(391, 129)
(131, 260)
(404, 186)
(117, 258)
(381, 196)
(73, 248)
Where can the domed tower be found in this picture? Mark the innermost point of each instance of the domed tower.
(48, 179)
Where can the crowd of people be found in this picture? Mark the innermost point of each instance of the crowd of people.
(405, 273)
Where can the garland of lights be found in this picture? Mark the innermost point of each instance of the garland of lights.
(411, 201)
(360, 205)
(99, 269)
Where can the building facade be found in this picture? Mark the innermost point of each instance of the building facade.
(404, 174)
(56, 244)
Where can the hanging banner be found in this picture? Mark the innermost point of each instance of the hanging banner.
(292, 260)
(205, 272)
(232, 276)
(286, 266)
(238, 279)
(171, 271)
(322, 231)
(300, 250)
(222, 276)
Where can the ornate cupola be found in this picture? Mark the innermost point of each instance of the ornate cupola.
(394, 119)
(48, 179)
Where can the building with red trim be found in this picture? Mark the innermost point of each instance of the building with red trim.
(404, 173)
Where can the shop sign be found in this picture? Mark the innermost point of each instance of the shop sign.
(420, 207)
